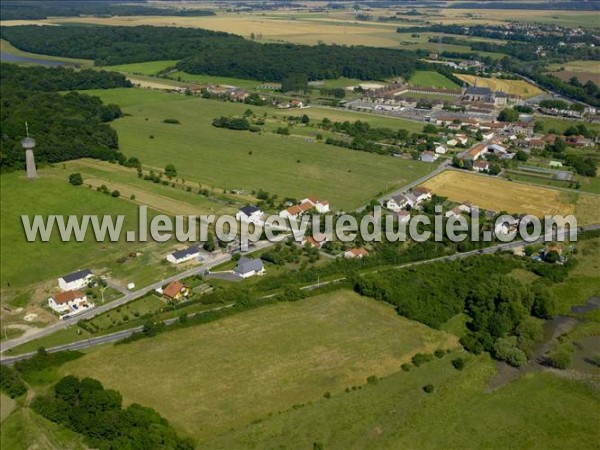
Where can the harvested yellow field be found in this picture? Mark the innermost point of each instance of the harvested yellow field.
(500, 195)
(516, 87)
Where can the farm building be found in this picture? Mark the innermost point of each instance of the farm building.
(73, 301)
(249, 214)
(76, 280)
(248, 267)
(186, 254)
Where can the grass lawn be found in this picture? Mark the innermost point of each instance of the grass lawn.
(212, 79)
(26, 430)
(561, 125)
(228, 373)
(286, 165)
(30, 263)
(145, 68)
(424, 78)
(583, 281)
(536, 411)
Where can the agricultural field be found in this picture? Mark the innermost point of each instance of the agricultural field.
(227, 159)
(500, 195)
(261, 361)
(538, 410)
(515, 87)
(436, 80)
(583, 70)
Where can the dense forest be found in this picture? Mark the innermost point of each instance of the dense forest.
(33, 10)
(86, 407)
(212, 53)
(65, 126)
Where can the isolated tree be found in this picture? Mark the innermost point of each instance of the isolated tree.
(170, 171)
(76, 179)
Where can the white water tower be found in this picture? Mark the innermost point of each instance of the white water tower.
(28, 145)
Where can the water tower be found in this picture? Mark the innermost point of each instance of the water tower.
(28, 145)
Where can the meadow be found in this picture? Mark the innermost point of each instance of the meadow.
(539, 410)
(515, 87)
(226, 374)
(436, 80)
(30, 269)
(583, 70)
(501, 195)
(227, 159)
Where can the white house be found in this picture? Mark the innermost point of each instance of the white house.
(249, 214)
(481, 166)
(465, 207)
(488, 135)
(184, 255)
(510, 225)
(248, 267)
(402, 216)
(396, 203)
(306, 204)
(454, 212)
(428, 156)
(76, 280)
(422, 194)
(452, 143)
(69, 302)
(441, 150)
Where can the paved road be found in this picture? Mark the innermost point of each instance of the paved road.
(126, 333)
(128, 297)
(439, 169)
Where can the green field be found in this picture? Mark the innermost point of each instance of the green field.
(228, 373)
(226, 159)
(423, 78)
(210, 79)
(30, 263)
(537, 411)
(560, 125)
(146, 68)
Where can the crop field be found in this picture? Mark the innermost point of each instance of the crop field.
(501, 195)
(227, 159)
(583, 70)
(262, 361)
(538, 410)
(436, 80)
(515, 87)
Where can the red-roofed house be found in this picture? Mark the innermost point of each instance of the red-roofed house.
(68, 302)
(356, 253)
(175, 290)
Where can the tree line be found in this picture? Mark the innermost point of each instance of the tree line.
(66, 126)
(213, 53)
(97, 413)
(35, 10)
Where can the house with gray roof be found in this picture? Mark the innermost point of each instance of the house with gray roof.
(75, 280)
(248, 267)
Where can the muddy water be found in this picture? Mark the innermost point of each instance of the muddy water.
(553, 329)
